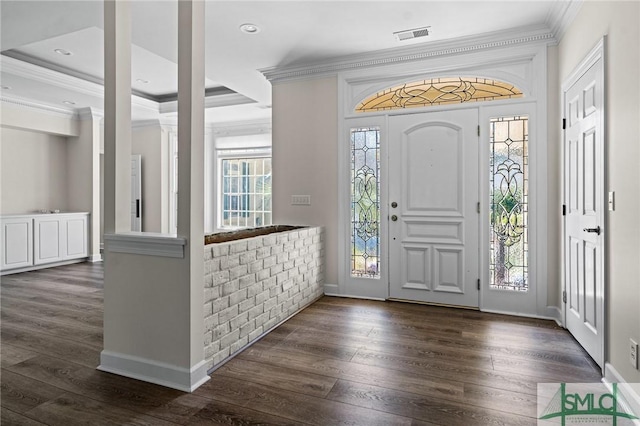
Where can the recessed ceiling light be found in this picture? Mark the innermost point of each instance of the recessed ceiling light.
(62, 52)
(142, 80)
(68, 102)
(249, 28)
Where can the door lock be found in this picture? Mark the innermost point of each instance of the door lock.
(595, 230)
(394, 204)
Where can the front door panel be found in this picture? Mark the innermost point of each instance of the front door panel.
(433, 164)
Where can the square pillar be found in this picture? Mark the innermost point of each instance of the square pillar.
(117, 116)
(191, 158)
(154, 283)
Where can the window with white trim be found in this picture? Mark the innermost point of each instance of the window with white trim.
(244, 188)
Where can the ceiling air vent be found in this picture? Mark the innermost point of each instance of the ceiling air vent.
(409, 34)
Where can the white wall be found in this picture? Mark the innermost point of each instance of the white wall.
(620, 21)
(305, 159)
(146, 296)
(33, 171)
(152, 142)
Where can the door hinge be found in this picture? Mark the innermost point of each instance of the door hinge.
(478, 207)
(478, 283)
(478, 130)
(564, 297)
(564, 123)
(564, 210)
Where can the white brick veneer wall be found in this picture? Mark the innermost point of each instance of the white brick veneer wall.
(251, 285)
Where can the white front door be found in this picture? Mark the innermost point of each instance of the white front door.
(584, 204)
(136, 192)
(433, 228)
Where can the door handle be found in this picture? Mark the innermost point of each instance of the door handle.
(394, 204)
(394, 218)
(595, 230)
(138, 207)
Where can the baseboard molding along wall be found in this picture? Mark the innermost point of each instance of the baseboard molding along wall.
(171, 376)
(629, 391)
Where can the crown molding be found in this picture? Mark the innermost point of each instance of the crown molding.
(216, 101)
(89, 113)
(44, 75)
(141, 124)
(166, 97)
(561, 15)
(67, 82)
(470, 44)
(69, 113)
(242, 128)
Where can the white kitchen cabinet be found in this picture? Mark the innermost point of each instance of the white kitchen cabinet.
(34, 241)
(47, 239)
(76, 237)
(17, 242)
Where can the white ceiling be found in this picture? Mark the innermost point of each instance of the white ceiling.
(292, 33)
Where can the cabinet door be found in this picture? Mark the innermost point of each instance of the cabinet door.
(76, 237)
(17, 243)
(48, 242)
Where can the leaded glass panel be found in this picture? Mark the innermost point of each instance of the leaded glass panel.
(439, 91)
(509, 199)
(365, 202)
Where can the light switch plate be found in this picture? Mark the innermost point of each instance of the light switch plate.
(301, 200)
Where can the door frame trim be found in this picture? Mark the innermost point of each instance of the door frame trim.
(526, 65)
(597, 53)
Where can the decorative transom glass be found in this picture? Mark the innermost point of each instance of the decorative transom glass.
(365, 202)
(439, 91)
(509, 203)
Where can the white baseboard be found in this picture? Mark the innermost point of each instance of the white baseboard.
(334, 291)
(95, 258)
(349, 296)
(519, 314)
(629, 392)
(611, 375)
(43, 266)
(159, 373)
(555, 313)
(331, 289)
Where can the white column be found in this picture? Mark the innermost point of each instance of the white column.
(154, 284)
(191, 159)
(83, 175)
(117, 116)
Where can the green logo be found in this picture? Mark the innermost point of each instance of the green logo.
(586, 405)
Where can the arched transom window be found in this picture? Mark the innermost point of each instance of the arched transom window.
(439, 91)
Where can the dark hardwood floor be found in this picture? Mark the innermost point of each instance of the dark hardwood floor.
(340, 361)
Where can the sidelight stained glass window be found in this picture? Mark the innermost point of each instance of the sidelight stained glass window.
(439, 91)
(509, 203)
(365, 202)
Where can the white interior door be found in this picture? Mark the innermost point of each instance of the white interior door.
(584, 204)
(433, 181)
(136, 192)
